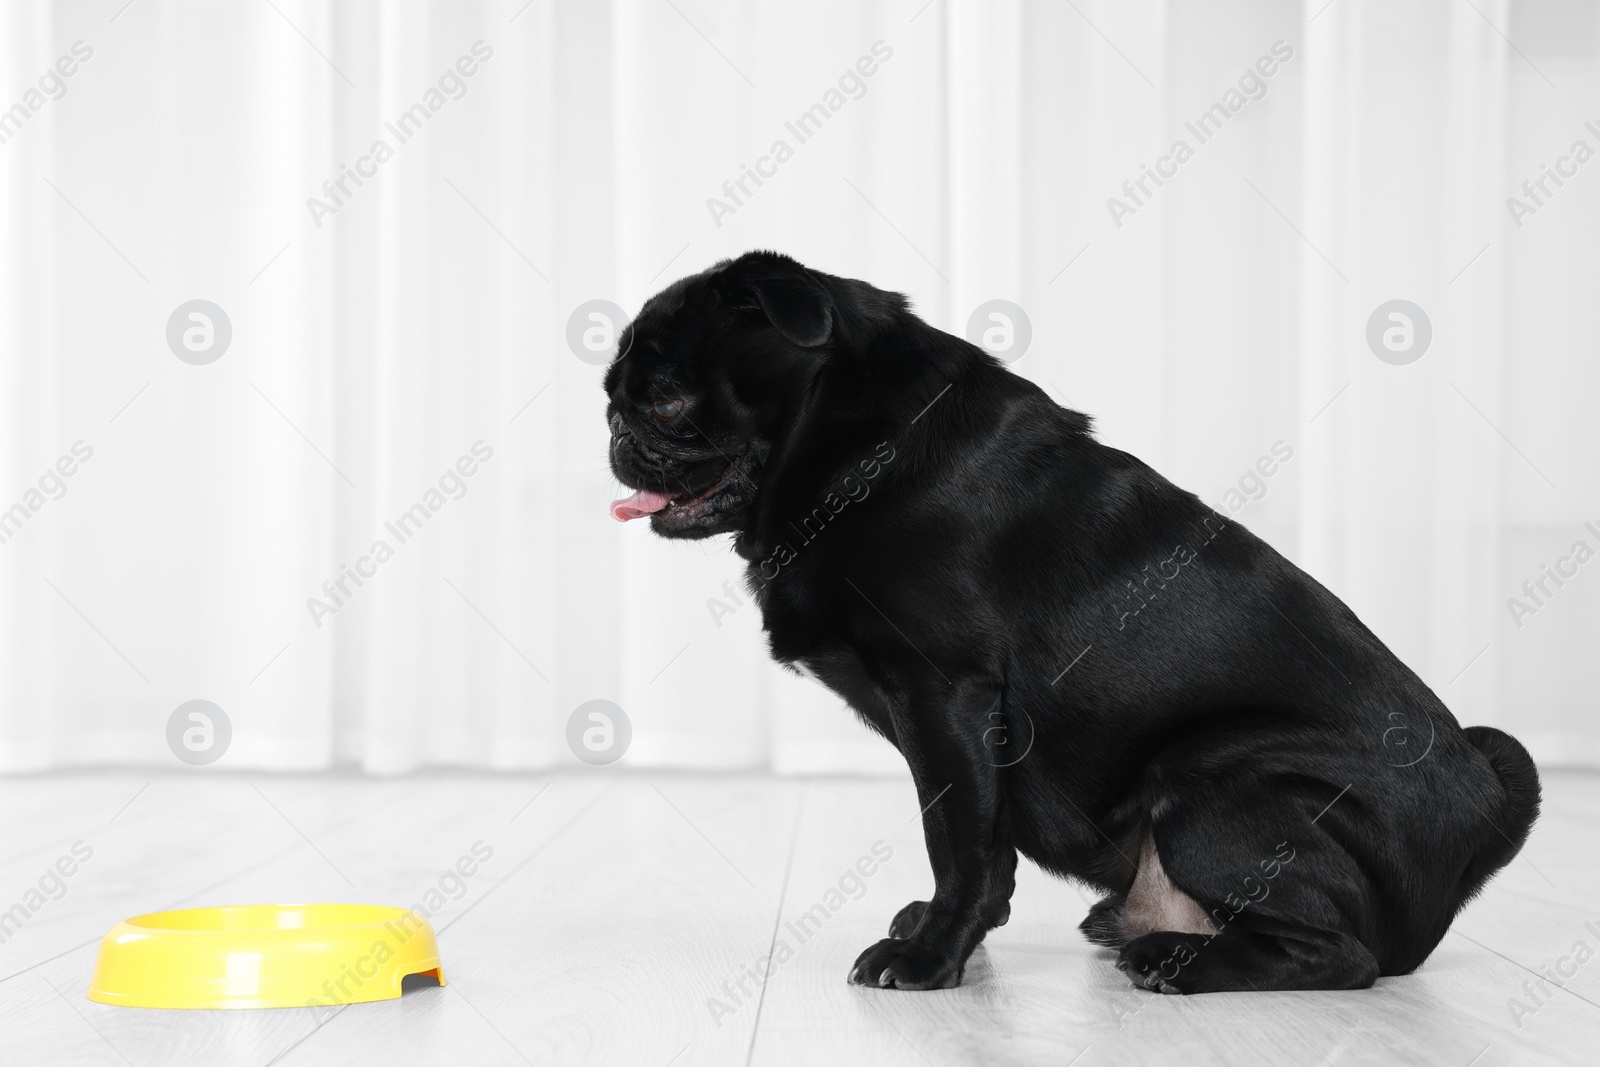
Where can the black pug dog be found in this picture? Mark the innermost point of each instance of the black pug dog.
(1080, 661)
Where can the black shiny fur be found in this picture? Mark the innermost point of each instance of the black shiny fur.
(1071, 652)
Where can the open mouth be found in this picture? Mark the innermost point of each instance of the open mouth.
(673, 506)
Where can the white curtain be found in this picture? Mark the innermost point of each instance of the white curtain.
(381, 337)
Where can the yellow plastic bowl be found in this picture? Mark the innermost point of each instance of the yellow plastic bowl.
(263, 956)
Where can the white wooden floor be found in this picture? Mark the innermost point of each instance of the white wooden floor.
(616, 907)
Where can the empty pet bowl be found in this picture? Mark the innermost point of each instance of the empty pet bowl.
(263, 956)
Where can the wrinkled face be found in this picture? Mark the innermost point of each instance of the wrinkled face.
(680, 435)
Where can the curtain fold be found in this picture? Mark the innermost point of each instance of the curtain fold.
(373, 531)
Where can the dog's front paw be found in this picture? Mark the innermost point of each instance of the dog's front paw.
(905, 923)
(1157, 961)
(894, 963)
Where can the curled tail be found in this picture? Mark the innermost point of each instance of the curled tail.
(1520, 780)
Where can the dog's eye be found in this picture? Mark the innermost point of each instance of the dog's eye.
(667, 410)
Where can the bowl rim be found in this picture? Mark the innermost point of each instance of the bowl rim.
(382, 915)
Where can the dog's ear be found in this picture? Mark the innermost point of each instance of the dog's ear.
(798, 308)
(794, 301)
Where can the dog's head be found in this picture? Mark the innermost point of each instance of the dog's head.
(711, 375)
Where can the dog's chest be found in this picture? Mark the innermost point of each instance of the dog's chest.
(842, 671)
(804, 637)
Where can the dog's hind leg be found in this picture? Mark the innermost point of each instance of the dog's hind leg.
(1264, 956)
(1262, 898)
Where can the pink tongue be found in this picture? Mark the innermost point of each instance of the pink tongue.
(644, 502)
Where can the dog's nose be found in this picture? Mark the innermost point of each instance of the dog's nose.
(617, 426)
